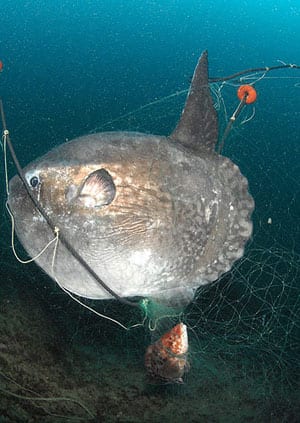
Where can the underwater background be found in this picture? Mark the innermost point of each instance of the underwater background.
(76, 67)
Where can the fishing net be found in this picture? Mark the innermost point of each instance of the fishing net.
(244, 328)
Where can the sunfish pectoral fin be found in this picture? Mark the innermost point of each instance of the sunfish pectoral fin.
(198, 125)
(98, 189)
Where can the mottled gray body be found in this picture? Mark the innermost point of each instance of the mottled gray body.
(170, 216)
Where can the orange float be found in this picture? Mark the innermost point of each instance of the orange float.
(249, 92)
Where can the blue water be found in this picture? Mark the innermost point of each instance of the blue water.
(72, 66)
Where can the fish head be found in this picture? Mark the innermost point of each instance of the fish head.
(166, 359)
(105, 193)
(107, 187)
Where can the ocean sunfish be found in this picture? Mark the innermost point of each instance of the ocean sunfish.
(153, 216)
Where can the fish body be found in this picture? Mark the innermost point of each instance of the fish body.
(153, 216)
(166, 359)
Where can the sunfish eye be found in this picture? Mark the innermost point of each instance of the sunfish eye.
(98, 189)
(34, 181)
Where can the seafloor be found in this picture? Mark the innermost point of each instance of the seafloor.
(59, 362)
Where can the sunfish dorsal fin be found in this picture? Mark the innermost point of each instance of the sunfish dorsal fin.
(198, 125)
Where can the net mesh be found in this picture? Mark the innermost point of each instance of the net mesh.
(244, 326)
(250, 317)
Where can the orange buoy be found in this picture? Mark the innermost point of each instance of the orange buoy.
(249, 92)
(1, 66)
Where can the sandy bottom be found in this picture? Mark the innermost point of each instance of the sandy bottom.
(60, 363)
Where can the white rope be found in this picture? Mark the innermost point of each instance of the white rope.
(55, 239)
(80, 302)
(4, 138)
(97, 312)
